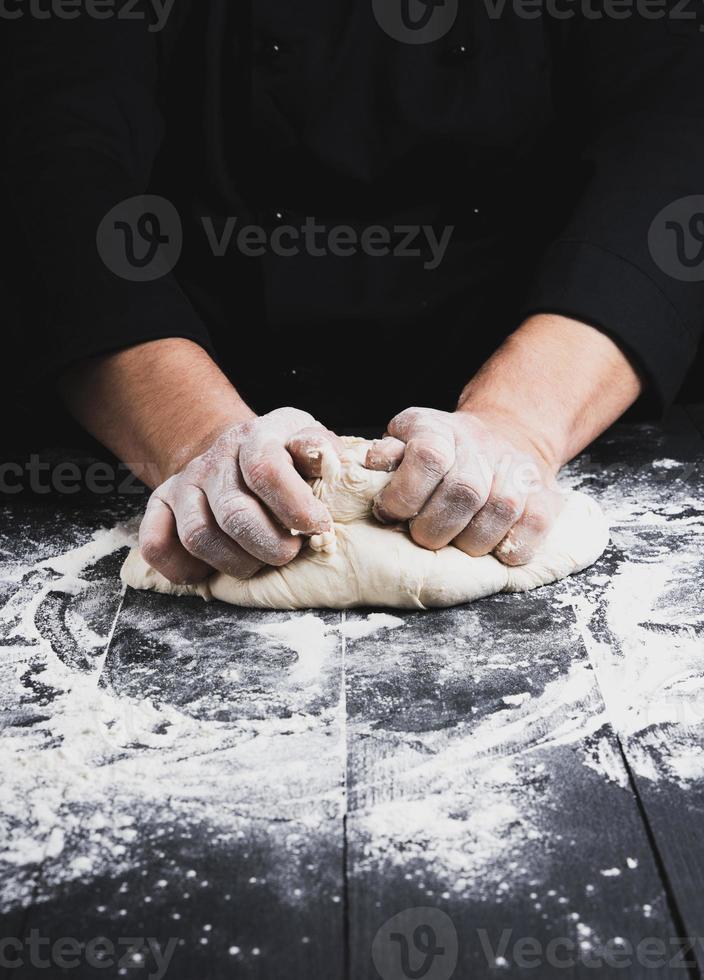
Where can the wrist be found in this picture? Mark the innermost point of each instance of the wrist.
(558, 382)
(156, 406)
(179, 447)
(526, 432)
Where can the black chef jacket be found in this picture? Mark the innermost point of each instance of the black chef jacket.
(549, 144)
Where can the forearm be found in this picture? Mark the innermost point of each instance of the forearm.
(156, 405)
(560, 381)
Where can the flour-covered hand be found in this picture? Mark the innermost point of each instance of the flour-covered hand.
(233, 507)
(478, 482)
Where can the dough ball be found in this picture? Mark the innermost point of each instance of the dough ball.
(372, 565)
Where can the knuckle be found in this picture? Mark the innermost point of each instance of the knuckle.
(432, 456)
(197, 471)
(195, 537)
(312, 433)
(167, 489)
(153, 549)
(408, 417)
(472, 543)
(237, 516)
(260, 472)
(290, 412)
(290, 416)
(228, 443)
(506, 509)
(421, 535)
(464, 496)
(537, 522)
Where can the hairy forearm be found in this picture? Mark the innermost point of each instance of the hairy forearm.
(156, 405)
(560, 381)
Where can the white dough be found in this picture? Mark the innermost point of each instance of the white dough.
(367, 564)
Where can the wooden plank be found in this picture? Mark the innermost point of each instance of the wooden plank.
(205, 818)
(50, 549)
(169, 773)
(487, 788)
(645, 633)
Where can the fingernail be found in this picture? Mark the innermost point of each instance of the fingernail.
(378, 461)
(321, 521)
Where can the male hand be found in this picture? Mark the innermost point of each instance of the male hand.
(475, 481)
(233, 507)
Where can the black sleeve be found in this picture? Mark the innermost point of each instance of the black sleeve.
(632, 92)
(81, 130)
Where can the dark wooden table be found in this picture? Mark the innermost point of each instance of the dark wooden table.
(513, 788)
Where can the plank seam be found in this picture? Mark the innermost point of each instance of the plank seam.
(346, 952)
(676, 916)
(693, 971)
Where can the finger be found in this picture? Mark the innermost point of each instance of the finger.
(308, 447)
(528, 533)
(246, 521)
(495, 519)
(201, 536)
(403, 425)
(429, 455)
(385, 454)
(269, 473)
(160, 547)
(460, 496)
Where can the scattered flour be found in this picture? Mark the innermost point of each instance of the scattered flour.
(605, 758)
(103, 542)
(652, 678)
(103, 769)
(311, 639)
(513, 700)
(103, 765)
(359, 629)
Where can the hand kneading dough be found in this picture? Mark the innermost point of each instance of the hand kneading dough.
(366, 564)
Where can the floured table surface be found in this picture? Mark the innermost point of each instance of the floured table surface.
(223, 792)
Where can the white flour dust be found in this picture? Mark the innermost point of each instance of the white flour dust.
(314, 641)
(649, 655)
(101, 769)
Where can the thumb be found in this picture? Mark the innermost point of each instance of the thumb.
(308, 447)
(385, 454)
